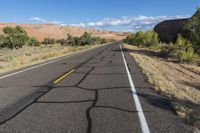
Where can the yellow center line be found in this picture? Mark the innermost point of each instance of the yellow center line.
(64, 76)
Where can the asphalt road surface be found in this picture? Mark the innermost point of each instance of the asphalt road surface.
(88, 92)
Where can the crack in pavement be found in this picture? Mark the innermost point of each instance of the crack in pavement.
(48, 88)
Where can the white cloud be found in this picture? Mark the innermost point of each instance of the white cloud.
(63, 25)
(38, 19)
(127, 23)
(42, 20)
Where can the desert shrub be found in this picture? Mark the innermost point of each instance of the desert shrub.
(187, 56)
(48, 41)
(33, 42)
(182, 50)
(151, 39)
(62, 41)
(168, 51)
(185, 50)
(85, 39)
(99, 40)
(72, 41)
(2, 41)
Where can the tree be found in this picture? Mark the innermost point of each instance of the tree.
(15, 37)
(86, 39)
(143, 39)
(192, 31)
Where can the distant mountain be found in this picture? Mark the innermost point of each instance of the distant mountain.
(41, 31)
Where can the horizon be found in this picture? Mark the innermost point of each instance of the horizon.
(120, 16)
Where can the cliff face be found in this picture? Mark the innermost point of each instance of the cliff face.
(168, 30)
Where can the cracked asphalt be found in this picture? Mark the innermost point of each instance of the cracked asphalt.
(96, 98)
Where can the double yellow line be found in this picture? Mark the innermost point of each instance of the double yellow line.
(64, 76)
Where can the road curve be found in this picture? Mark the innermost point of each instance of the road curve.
(89, 92)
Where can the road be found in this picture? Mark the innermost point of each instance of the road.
(88, 92)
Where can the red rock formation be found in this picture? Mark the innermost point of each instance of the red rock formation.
(168, 30)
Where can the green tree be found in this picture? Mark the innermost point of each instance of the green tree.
(192, 31)
(143, 39)
(15, 37)
(86, 39)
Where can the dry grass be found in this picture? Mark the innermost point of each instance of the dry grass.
(15, 59)
(179, 82)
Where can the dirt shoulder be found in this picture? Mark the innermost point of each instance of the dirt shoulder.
(179, 82)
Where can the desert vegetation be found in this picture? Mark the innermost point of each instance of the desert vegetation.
(15, 38)
(85, 39)
(17, 49)
(182, 50)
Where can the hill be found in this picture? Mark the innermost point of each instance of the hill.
(41, 31)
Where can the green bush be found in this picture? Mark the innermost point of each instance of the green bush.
(169, 51)
(187, 55)
(182, 50)
(49, 41)
(143, 39)
(33, 42)
(2, 41)
(72, 41)
(185, 50)
(99, 40)
(62, 41)
(86, 39)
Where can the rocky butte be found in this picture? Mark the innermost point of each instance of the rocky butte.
(168, 30)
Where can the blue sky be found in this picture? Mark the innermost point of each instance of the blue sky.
(118, 15)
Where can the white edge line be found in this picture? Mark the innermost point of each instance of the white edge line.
(143, 122)
(49, 62)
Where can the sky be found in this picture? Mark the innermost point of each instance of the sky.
(116, 15)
